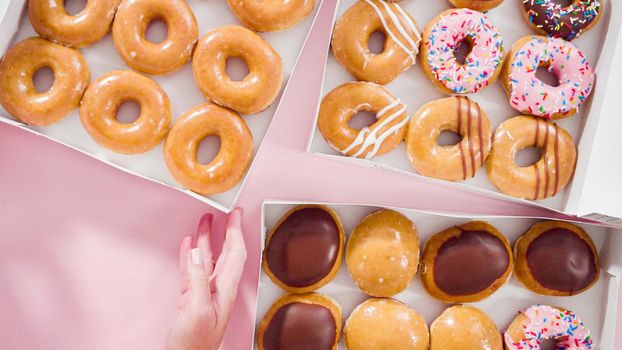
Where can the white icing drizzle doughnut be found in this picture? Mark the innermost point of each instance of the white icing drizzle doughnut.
(407, 36)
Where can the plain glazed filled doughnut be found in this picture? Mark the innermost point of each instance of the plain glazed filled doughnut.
(380, 324)
(443, 36)
(354, 29)
(530, 95)
(301, 321)
(102, 100)
(382, 254)
(451, 273)
(130, 26)
(450, 162)
(266, 16)
(304, 249)
(540, 323)
(553, 18)
(556, 258)
(50, 19)
(477, 5)
(463, 327)
(258, 89)
(341, 104)
(232, 160)
(18, 94)
(543, 179)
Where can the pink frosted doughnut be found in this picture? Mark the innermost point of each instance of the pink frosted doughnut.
(530, 95)
(442, 37)
(540, 322)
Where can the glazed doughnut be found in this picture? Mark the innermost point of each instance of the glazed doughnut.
(379, 324)
(18, 94)
(258, 89)
(540, 322)
(464, 328)
(547, 176)
(560, 21)
(301, 321)
(50, 19)
(341, 104)
(267, 16)
(304, 249)
(354, 29)
(452, 162)
(530, 95)
(451, 274)
(130, 25)
(102, 100)
(556, 258)
(477, 5)
(232, 160)
(383, 253)
(444, 34)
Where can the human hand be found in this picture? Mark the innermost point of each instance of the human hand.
(208, 289)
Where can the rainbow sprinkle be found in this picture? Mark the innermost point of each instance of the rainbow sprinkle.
(559, 21)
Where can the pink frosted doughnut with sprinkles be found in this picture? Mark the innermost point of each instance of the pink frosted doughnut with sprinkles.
(540, 322)
(560, 21)
(566, 62)
(443, 36)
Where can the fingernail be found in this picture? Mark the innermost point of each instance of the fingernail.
(206, 220)
(197, 259)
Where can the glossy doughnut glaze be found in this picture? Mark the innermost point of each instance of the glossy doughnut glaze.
(102, 100)
(530, 95)
(266, 16)
(354, 29)
(50, 19)
(380, 324)
(258, 89)
(464, 328)
(232, 160)
(304, 250)
(130, 26)
(18, 94)
(451, 162)
(341, 104)
(477, 5)
(566, 22)
(442, 37)
(543, 179)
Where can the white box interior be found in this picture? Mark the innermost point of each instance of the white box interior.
(596, 307)
(180, 87)
(415, 89)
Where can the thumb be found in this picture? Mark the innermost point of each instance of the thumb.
(199, 279)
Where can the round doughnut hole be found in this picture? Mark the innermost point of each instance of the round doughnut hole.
(128, 112)
(448, 138)
(547, 76)
(462, 50)
(237, 69)
(157, 31)
(376, 42)
(43, 79)
(528, 156)
(73, 7)
(564, 3)
(362, 119)
(208, 149)
(549, 344)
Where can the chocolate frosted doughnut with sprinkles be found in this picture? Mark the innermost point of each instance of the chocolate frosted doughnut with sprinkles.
(542, 179)
(341, 104)
(554, 18)
(530, 95)
(354, 29)
(444, 35)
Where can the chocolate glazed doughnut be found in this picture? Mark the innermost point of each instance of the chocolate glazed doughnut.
(556, 258)
(304, 249)
(450, 272)
(566, 22)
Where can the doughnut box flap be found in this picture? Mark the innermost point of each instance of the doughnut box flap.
(590, 193)
(596, 307)
(180, 87)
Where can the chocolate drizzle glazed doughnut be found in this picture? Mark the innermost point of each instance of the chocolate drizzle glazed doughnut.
(566, 22)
